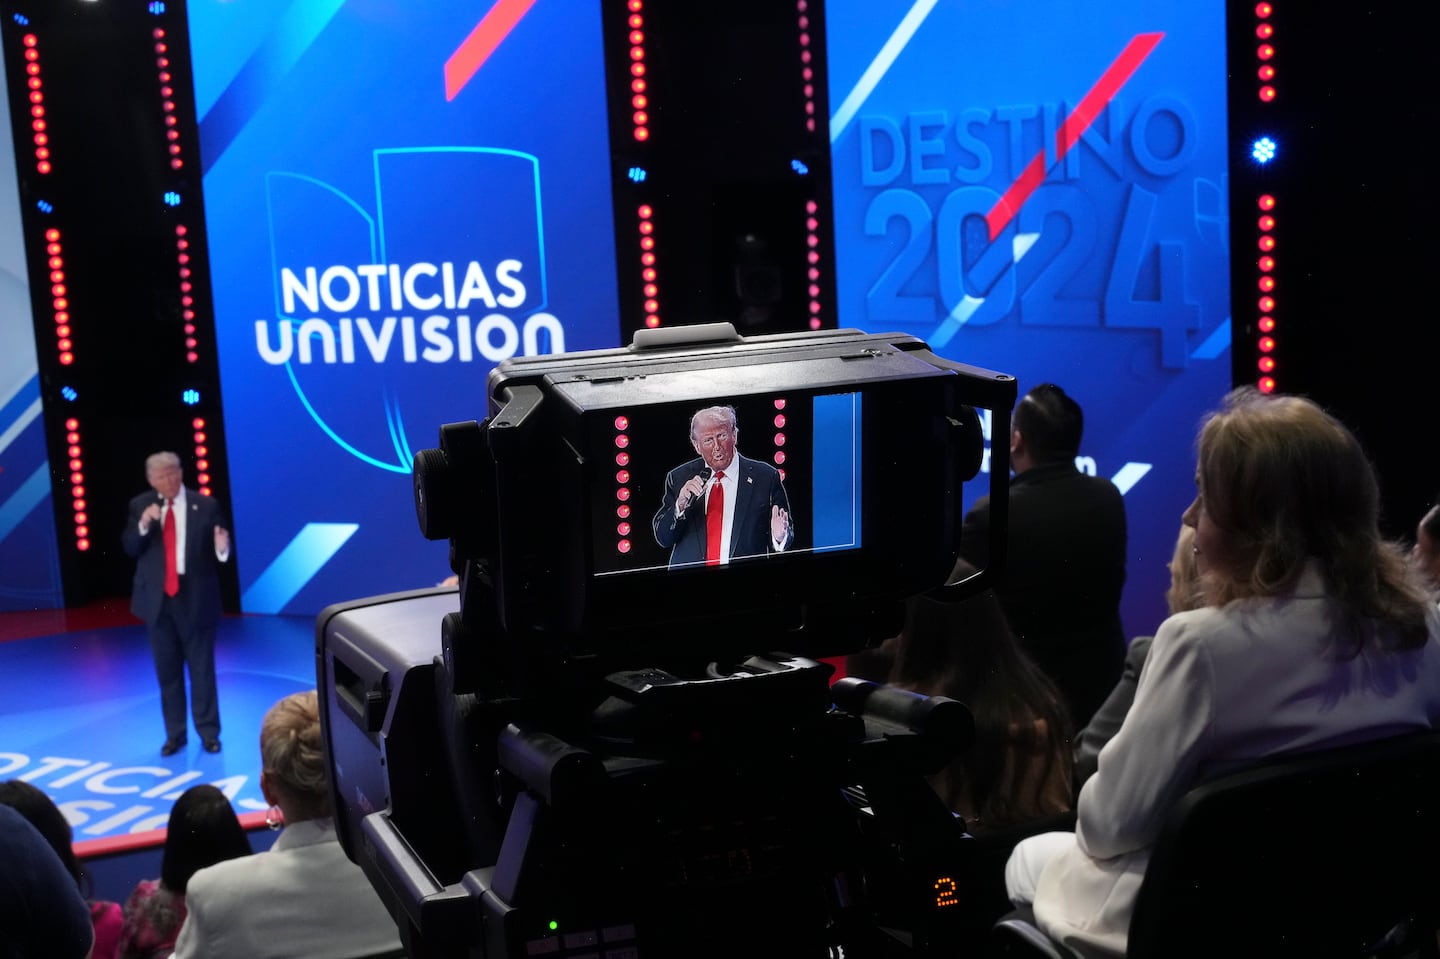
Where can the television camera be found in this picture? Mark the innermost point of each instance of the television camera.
(602, 748)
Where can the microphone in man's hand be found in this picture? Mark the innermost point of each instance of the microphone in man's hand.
(705, 472)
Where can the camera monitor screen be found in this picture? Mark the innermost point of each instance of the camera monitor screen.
(789, 481)
(726, 482)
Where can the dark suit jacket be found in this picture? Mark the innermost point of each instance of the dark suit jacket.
(759, 489)
(1063, 577)
(198, 604)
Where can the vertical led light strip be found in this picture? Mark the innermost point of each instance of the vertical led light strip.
(187, 293)
(812, 207)
(640, 99)
(202, 454)
(60, 300)
(1265, 265)
(1265, 325)
(623, 543)
(779, 439)
(807, 73)
(167, 97)
(35, 84)
(77, 484)
(812, 256)
(1265, 31)
(649, 277)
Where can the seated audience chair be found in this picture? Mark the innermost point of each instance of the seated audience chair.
(1331, 853)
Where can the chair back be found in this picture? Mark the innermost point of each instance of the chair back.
(1319, 853)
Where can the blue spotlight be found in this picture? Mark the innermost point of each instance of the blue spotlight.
(21, 19)
(44, 206)
(69, 393)
(799, 167)
(172, 198)
(157, 8)
(637, 174)
(191, 397)
(1263, 150)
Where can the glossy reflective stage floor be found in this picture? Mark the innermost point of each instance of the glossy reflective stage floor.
(80, 714)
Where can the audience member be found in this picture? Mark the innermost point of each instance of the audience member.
(1018, 768)
(30, 802)
(1315, 634)
(302, 897)
(1184, 593)
(42, 913)
(1426, 554)
(1065, 553)
(202, 831)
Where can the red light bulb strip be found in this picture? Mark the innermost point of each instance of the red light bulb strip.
(639, 86)
(1265, 52)
(779, 438)
(623, 543)
(187, 292)
(167, 97)
(78, 516)
(60, 297)
(812, 256)
(807, 72)
(35, 84)
(1265, 283)
(202, 453)
(649, 276)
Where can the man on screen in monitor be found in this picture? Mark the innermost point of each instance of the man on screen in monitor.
(721, 505)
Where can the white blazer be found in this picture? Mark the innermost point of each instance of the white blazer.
(302, 898)
(1220, 689)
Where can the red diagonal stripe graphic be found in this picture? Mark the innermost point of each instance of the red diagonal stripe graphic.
(488, 34)
(1084, 114)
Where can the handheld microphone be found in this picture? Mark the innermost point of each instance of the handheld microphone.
(707, 477)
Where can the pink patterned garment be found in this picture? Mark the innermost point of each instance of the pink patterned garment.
(153, 917)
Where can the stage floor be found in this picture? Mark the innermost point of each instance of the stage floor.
(80, 717)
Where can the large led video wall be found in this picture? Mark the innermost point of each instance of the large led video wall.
(1040, 188)
(397, 197)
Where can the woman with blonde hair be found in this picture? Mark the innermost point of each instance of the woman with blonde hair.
(302, 897)
(1315, 634)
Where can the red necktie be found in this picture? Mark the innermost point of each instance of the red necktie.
(172, 573)
(714, 521)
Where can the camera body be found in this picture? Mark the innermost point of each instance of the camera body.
(614, 746)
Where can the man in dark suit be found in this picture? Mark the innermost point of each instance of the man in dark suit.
(178, 541)
(721, 505)
(1065, 566)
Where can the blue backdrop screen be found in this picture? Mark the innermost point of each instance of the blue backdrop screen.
(1040, 188)
(397, 197)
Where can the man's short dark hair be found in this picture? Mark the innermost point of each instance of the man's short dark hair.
(1051, 423)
